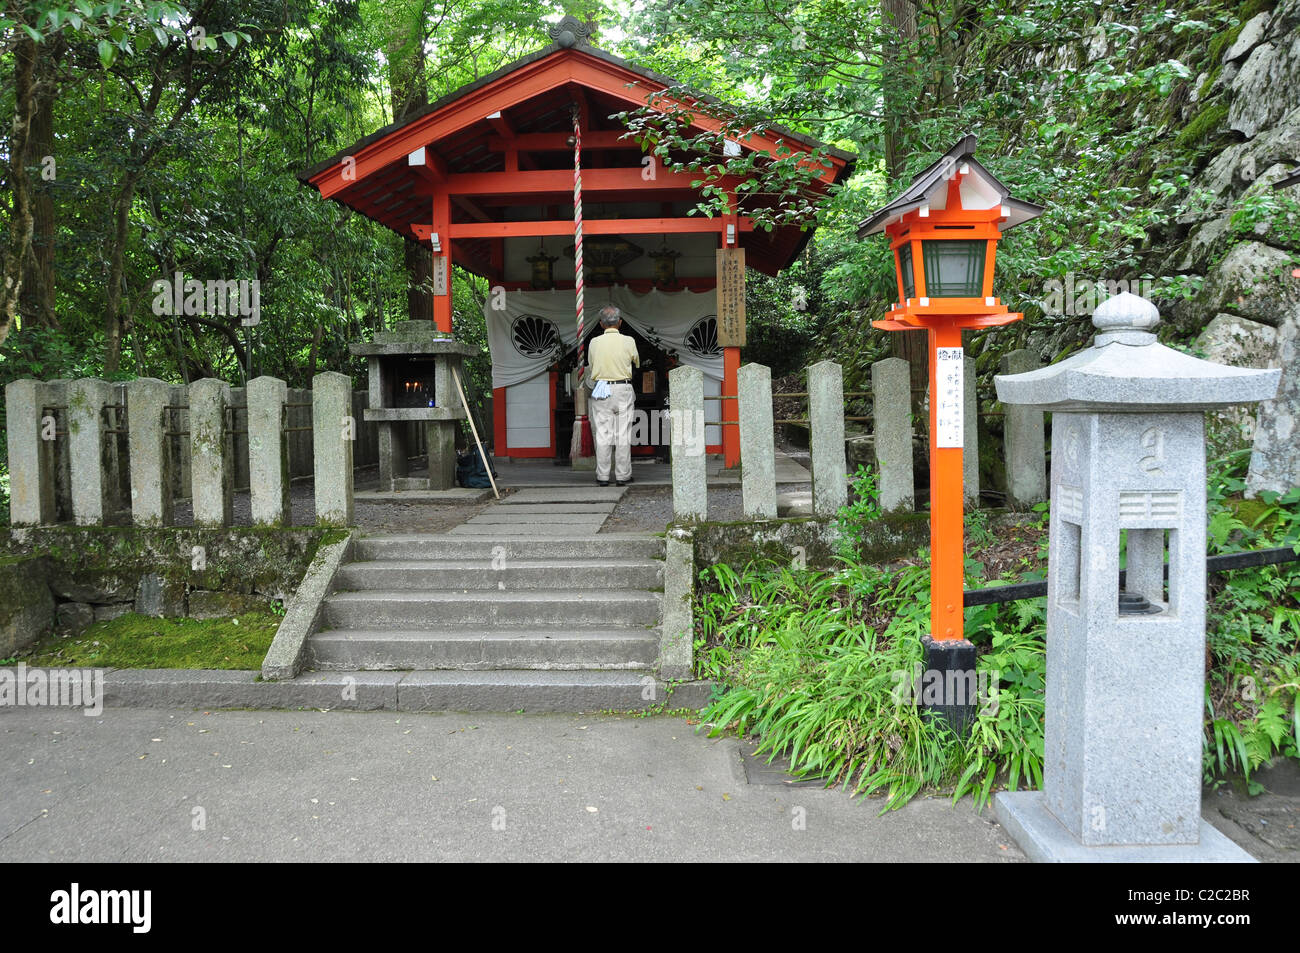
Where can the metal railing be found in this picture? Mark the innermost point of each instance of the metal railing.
(1213, 564)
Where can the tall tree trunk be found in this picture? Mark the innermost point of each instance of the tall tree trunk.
(899, 23)
(410, 91)
(899, 91)
(116, 269)
(20, 222)
(37, 305)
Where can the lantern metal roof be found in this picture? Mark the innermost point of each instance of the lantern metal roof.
(980, 189)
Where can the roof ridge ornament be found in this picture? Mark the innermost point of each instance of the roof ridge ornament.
(571, 32)
(1125, 318)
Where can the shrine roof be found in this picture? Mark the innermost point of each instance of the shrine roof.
(467, 132)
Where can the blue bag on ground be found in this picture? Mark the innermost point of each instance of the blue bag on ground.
(470, 471)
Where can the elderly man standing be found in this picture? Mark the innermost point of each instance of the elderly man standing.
(611, 357)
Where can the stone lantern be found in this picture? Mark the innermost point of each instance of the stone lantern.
(1125, 647)
(411, 382)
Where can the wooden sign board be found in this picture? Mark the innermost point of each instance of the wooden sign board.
(731, 297)
(440, 274)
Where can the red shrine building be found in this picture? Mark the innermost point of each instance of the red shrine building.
(485, 177)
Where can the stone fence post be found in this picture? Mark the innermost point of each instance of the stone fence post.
(1026, 454)
(211, 472)
(150, 452)
(757, 449)
(268, 452)
(826, 436)
(686, 401)
(333, 430)
(94, 500)
(891, 402)
(31, 476)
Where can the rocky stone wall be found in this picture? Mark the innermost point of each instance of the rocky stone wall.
(67, 578)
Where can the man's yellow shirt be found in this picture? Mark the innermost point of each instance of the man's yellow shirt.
(611, 357)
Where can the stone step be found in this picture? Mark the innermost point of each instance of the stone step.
(531, 691)
(521, 529)
(544, 509)
(521, 608)
(512, 516)
(586, 493)
(556, 547)
(472, 649)
(520, 573)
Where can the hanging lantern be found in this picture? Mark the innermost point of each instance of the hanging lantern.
(543, 274)
(665, 267)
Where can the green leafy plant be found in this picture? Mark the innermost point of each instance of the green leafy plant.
(863, 508)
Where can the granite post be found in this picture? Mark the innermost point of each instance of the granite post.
(150, 452)
(268, 452)
(31, 478)
(686, 399)
(333, 430)
(211, 473)
(1125, 692)
(55, 451)
(891, 403)
(1275, 454)
(826, 436)
(677, 633)
(93, 497)
(757, 446)
(1026, 453)
(970, 451)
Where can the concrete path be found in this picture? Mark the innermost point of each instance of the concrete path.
(545, 511)
(522, 472)
(150, 785)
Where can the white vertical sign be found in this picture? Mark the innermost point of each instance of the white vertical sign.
(949, 396)
(439, 275)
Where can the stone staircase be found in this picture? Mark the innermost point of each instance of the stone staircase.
(500, 622)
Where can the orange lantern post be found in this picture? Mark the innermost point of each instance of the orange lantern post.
(944, 231)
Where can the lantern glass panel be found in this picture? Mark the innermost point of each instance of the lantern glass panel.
(905, 265)
(954, 268)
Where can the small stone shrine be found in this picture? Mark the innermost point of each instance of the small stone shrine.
(411, 382)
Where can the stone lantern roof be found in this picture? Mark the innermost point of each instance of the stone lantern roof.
(1128, 371)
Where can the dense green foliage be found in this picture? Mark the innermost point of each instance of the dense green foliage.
(817, 664)
(175, 158)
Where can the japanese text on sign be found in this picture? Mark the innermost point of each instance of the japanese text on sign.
(731, 297)
(949, 387)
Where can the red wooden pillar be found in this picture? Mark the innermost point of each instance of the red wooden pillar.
(730, 408)
(947, 527)
(442, 261)
(730, 357)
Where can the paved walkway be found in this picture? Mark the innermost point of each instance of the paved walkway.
(142, 785)
(545, 511)
(522, 472)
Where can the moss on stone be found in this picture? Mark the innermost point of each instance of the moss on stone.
(1201, 127)
(136, 641)
(242, 559)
